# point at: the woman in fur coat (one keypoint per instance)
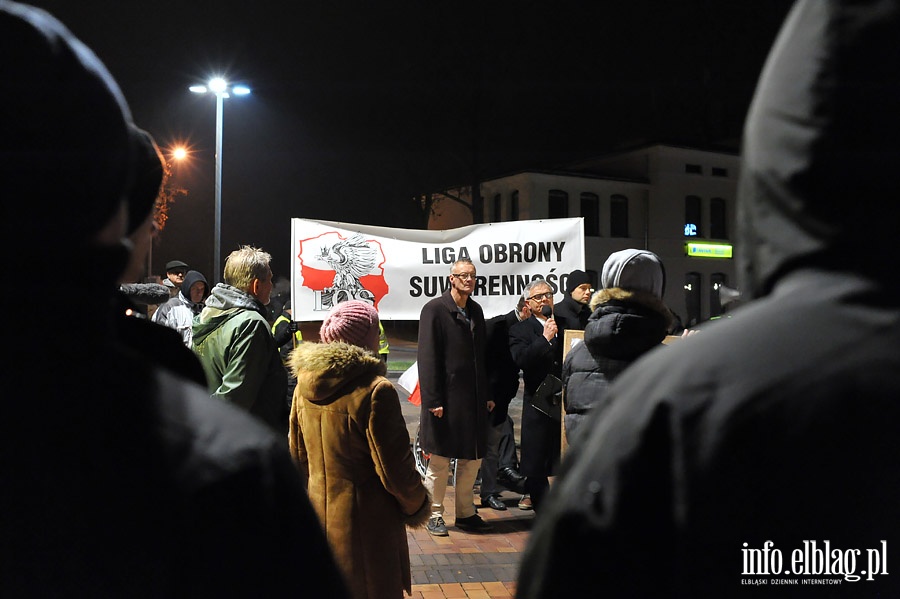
(348, 435)
(628, 318)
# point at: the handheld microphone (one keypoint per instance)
(547, 311)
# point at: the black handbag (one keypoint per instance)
(547, 398)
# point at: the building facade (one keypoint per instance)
(657, 197)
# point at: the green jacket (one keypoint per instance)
(235, 345)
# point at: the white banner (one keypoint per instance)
(399, 270)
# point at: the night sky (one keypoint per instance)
(358, 106)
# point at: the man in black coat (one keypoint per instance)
(500, 465)
(536, 345)
(572, 312)
(765, 449)
(453, 383)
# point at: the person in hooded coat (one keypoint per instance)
(348, 434)
(777, 429)
(118, 477)
(178, 312)
(628, 319)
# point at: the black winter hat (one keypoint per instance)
(576, 278)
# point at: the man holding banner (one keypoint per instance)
(455, 397)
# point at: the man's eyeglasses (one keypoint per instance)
(463, 276)
(539, 296)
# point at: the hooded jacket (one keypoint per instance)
(235, 345)
(178, 312)
(348, 433)
(625, 325)
(779, 428)
(118, 477)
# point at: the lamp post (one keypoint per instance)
(221, 89)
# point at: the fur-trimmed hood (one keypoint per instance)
(324, 370)
(347, 432)
(625, 324)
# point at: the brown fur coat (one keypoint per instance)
(347, 432)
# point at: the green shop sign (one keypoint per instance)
(701, 249)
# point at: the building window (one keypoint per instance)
(718, 171)
(692, 283)
(717, 280)
(717, 223)
(693, 169)
(497, 212)
(514, 206)
(558, 204)
(590, 210)
(692, 217)
(618, 216)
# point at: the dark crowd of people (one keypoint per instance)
(203, 448)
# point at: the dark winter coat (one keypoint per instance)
(122, 479)
(540, 435)
(451, 364)
(503, 373)
(624, 326)
(571, 315)
(155, 342)
(347, 431)
(781, 424)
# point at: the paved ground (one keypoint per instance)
(464, 564)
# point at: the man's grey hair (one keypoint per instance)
(461, 261)
(530, 287)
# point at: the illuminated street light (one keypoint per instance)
(177, 153)
(220, 88)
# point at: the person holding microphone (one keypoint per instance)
(536, 346)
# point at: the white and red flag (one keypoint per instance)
(409, 380)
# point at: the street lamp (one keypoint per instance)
(220, 88)
(166, 196)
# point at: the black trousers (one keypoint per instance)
(501, 453)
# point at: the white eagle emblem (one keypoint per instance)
(351, 259)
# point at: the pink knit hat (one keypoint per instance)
(354, 322)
